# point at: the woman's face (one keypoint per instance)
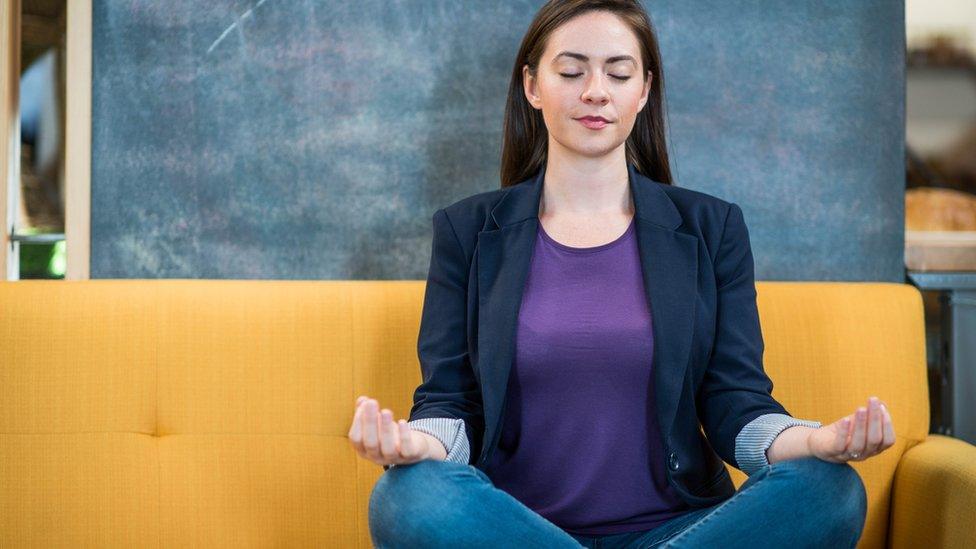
(591, 67)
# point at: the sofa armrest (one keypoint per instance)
(934, 494)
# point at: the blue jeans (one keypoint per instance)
(796, 503)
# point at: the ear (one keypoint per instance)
(530, 86)
(647, 89)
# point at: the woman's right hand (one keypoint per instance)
(376, 437)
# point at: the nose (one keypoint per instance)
(596, 90)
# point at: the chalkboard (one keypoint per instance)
(296, 139)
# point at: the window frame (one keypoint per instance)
(77, 136)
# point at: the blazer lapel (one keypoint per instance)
(669, 260)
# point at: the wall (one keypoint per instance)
(310, 140)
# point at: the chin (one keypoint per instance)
(595, 148)
(593, 153)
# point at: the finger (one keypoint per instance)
(875, 424)
(356, 431)
(850, 431)
(843, 433)
(360, 399)
(889, 428)
(859, 438)
(370, 428)
(389, 436)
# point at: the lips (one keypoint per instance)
(593, 122)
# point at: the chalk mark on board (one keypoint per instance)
(233, 25)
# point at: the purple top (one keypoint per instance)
(580, 444)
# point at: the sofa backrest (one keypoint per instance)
(829, 346)
(216, 411)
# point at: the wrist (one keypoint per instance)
(435, 448)
(791, 443)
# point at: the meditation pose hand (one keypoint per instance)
(376, 437)
(866, 432)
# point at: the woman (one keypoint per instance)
(590, 419)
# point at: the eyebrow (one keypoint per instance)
(582, 57)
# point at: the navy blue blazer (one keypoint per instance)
(698, 274)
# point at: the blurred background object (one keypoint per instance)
(940, 229)
(935, 209)
(940, 115)
(940, 200)
(40, 224)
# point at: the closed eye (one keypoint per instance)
(624, 78)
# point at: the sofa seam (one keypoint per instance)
(159, 454)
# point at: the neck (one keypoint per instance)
(588, 187)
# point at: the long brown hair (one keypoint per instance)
(525, 139)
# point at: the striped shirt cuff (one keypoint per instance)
(758, 435)
(449, 431)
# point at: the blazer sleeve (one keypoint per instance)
(449, 388)
(758, 435)
(735, 389)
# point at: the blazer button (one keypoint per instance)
(673, 461)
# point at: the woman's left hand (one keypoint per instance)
(865, 433)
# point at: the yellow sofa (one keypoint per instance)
(211, 413)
